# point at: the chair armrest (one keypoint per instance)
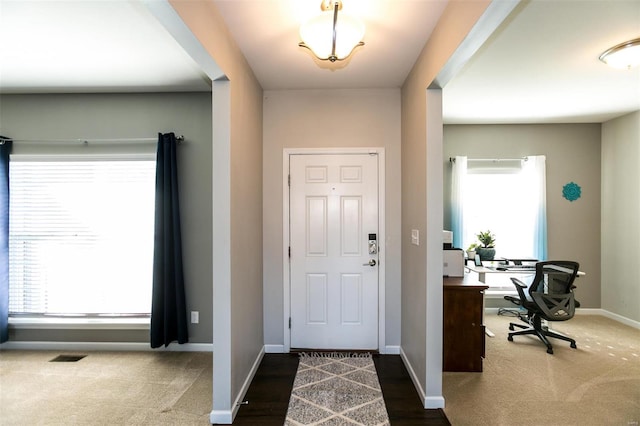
(521, 287)
(518, 283)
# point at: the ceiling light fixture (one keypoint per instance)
(623, 55)
(330, 38)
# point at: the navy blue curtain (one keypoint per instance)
(5, 150)
(168, 308)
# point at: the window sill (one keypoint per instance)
(80, 323)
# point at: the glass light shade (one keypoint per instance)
(623, 55)
(317, 34)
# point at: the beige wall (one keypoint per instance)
(621, 216)
(572, 155)
(101, 116)
(321, 119)
(422, 316)
(243, 339)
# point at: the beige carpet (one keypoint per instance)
(105, 388)
(596, 384)
(336, 389)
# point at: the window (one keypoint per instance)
(81, 235)
(500, 200)
(507, 197)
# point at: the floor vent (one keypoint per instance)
(67, 358)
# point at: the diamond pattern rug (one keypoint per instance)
(336, 389)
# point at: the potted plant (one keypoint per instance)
(487, 250)
(471, 251)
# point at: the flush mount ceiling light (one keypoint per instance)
(623, 55)
(329, 37)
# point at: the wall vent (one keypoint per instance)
(67, 358)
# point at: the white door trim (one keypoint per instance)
(287, 152)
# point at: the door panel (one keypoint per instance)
(351, 312)
(316, 300)
(316, 226)
(334, 284)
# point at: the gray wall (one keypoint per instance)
(621, 216)
(572, 154)
(98, 116)
(328, 118)
(238, 317)
(422, 137)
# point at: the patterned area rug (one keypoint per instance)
(336, 389)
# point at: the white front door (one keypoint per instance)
(334, 251)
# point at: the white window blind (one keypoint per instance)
(500, 198)
(81, 236)
(501, 203)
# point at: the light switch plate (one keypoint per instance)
(415, 237)
(195, 317)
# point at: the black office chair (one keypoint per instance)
(550, 297)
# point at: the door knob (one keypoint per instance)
(372, 262)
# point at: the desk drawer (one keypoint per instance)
(463, 333)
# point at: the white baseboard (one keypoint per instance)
(590, 311)
(433, 402)
(104, 346)
(247, 382)
(274, 349)
(621, 319)
(225, 417)
(391, 350)
(412, 374)
(221, 417)
(429, 402)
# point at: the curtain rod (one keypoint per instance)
(453, 159)
(86, 141)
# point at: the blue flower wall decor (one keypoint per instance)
(571, 191)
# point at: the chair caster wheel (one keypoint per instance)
(573, 345)
(550, 351)
(510, 338)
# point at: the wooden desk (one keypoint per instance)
(463, 325)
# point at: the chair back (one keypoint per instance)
(552, 289)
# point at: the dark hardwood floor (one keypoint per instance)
(268, 395)
(403, 403)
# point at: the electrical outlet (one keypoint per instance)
(195, 317)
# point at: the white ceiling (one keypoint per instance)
(90, 46)
(396, 32)
(540, 66)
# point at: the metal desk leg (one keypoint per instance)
(486, 330)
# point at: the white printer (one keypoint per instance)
(453, 263)
(453, 258)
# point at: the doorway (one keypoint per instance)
(334, 268)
